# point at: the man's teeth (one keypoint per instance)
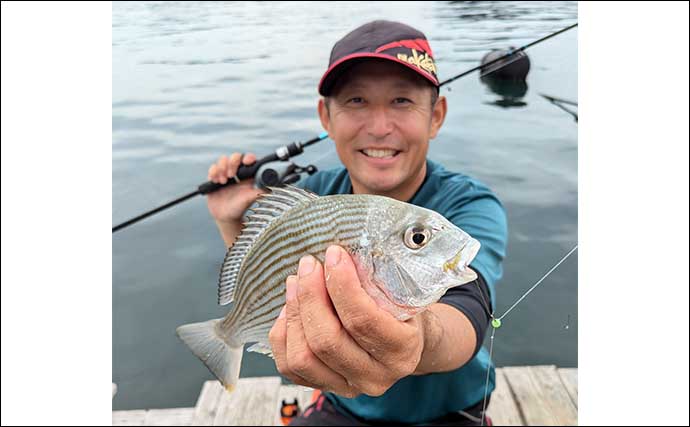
(380, 154)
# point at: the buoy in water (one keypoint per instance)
(512, 67)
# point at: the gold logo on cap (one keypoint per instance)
(425, 62)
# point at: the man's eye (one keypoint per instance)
(355, 100)
(402, 101)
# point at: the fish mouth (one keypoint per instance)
(458, 265)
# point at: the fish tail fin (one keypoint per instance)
(220, 357)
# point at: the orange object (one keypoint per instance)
(288, 411)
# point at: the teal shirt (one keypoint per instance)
(475, 209)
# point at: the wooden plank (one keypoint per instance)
(569, 378)
(540, 395)
(129, 418)
(207, 403)
(169, 417)
(503, 410)
(253, 402)
(290, 393)
(555, 393)
(535, 395)
(528, 397)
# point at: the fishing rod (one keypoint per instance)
(508, 55)
(296, 148)
(268, 177)
(558, 102)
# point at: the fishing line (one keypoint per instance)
(496, 322)
(537, 284)
(488, 371)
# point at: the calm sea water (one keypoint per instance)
(194, 80)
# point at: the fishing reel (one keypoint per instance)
(278, 174)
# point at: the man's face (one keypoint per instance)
(381, 119)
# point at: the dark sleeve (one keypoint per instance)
(473, 300)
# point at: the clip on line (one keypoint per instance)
(496, 322)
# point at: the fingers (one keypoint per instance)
(226, 167)
(212, 171)
(218, 171)
(249, 159)
(233, 164)
(222, 169)
(301, 361)
(326, 336)
(370, 326)
(278, 339)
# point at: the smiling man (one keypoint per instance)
(381, 117)
(381, 106)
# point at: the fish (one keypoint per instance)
(406, 257)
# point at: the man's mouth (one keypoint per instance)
(380, 153)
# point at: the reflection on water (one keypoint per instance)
(511, 92)
(194, 80)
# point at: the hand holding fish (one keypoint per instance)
(333, 336)
(356, 325)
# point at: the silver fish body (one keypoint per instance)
(406, 258)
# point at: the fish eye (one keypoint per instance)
(416, 237)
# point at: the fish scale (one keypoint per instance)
(281, 260)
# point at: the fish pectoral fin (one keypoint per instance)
(222, 359)
(261, 348)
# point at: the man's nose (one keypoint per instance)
(379, 123)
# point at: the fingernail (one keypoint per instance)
(282, 313)
(332, 256)
(291, 291)
(306, 266)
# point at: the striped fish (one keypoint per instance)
(406, 258)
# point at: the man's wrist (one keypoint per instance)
(432, 331)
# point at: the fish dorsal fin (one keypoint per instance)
(267, 208)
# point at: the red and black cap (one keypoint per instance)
(385, 40)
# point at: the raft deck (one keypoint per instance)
(524, 395)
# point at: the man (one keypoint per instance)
(381, 106)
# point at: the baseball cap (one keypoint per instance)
(381, 39)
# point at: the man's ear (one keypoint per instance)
(324, 115)
(438, 115)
